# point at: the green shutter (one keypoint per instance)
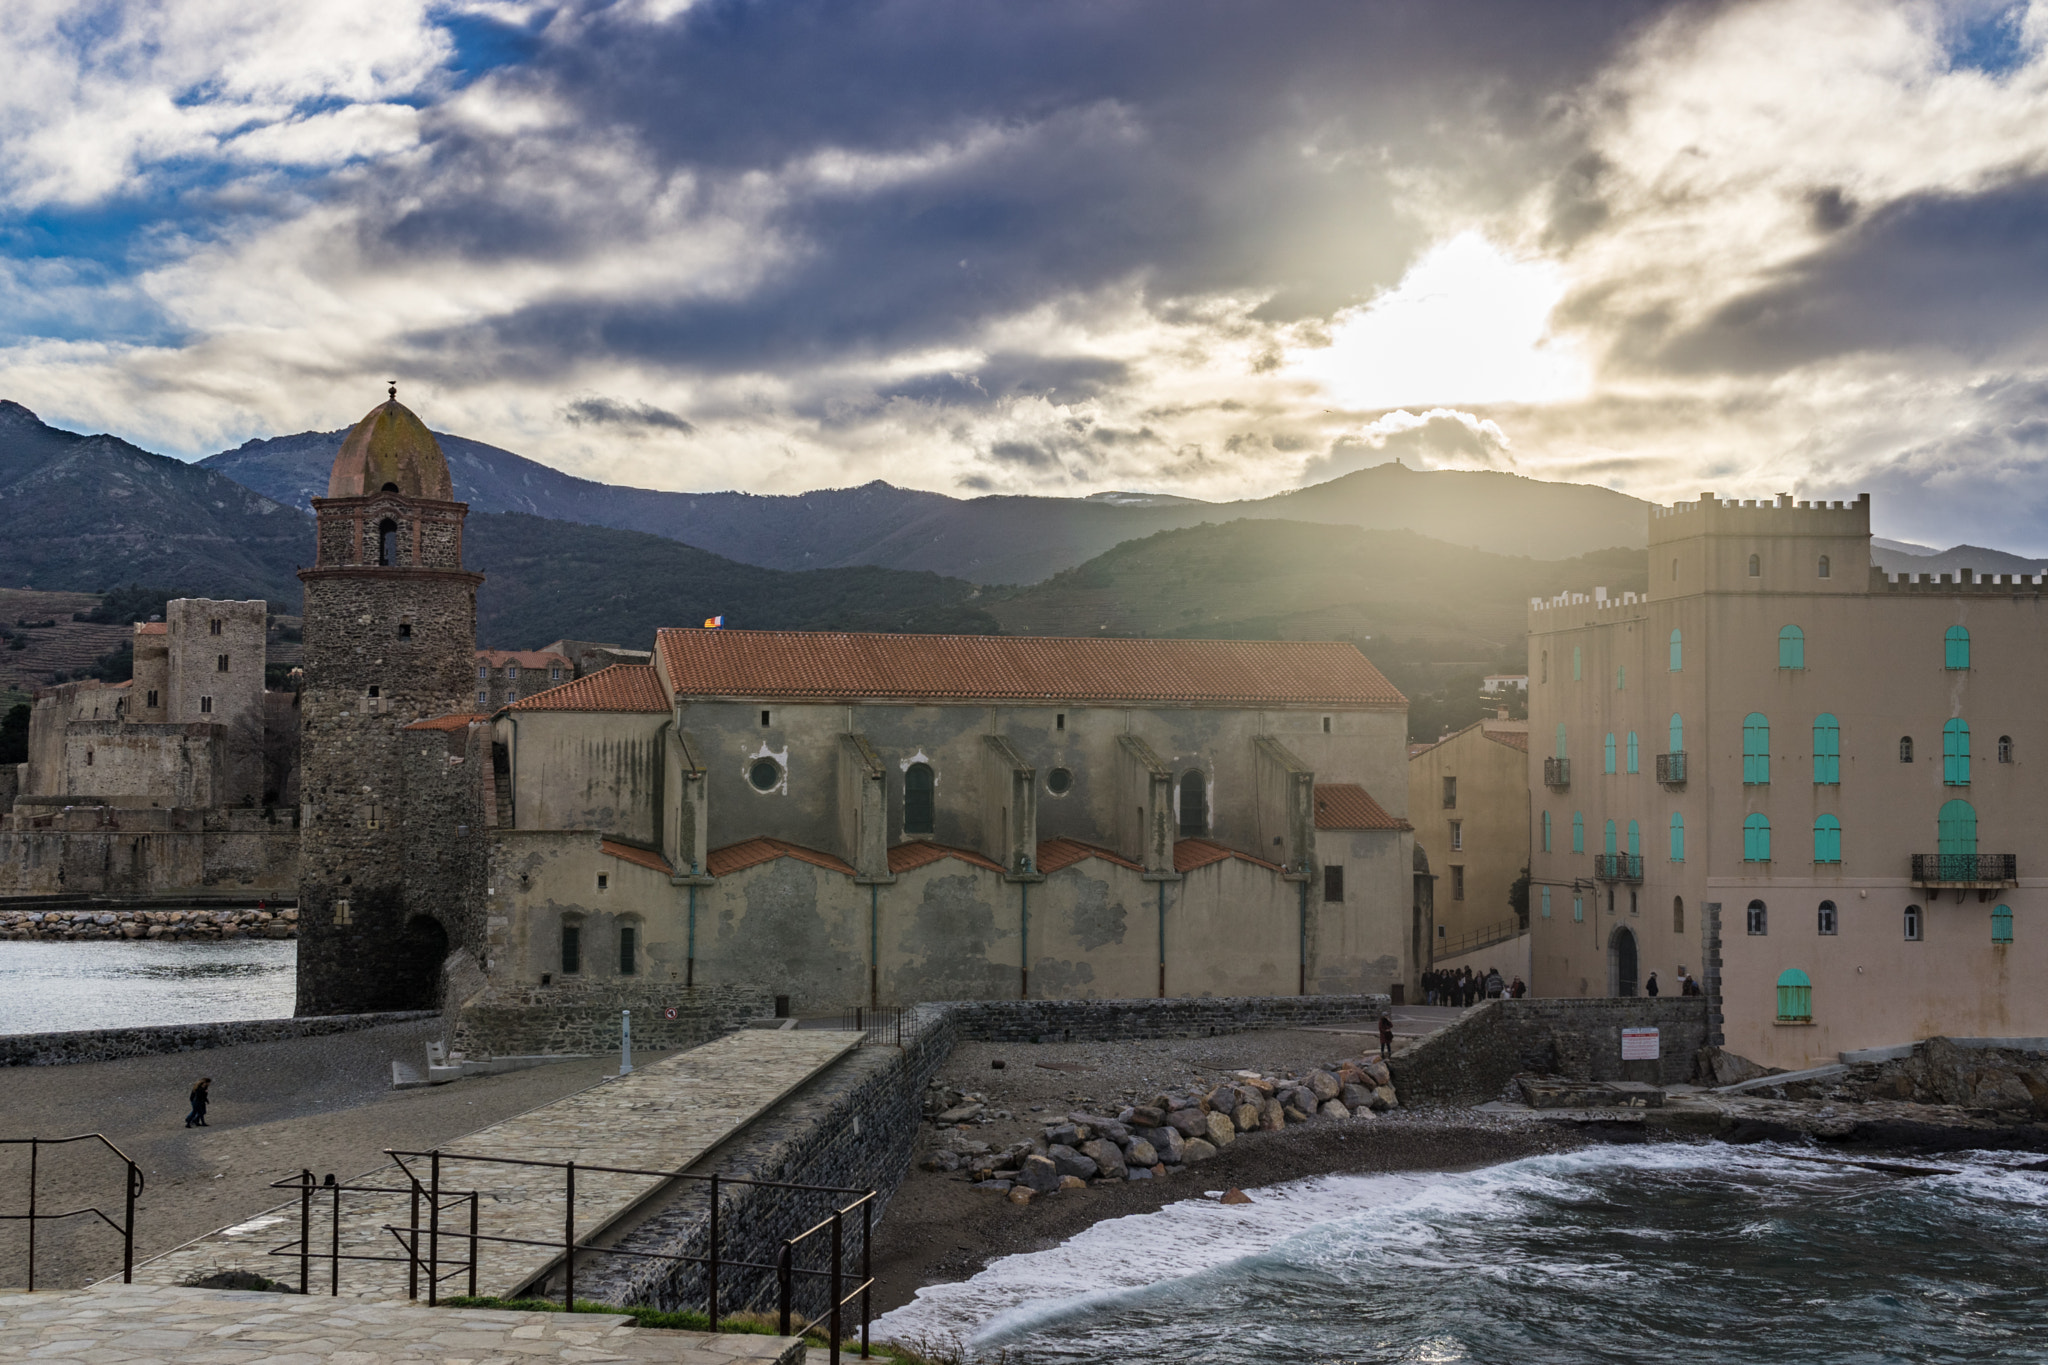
(1677, 652)
(1677, 837)
(1756, 749)
(1791, 647)
(1827, 750)
(1827, 839)
(1955, 753)
(1956, 647)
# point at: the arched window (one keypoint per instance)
(1635, 757)
(1677, 735)
(1759, 918)
(1956, 647)
(1756, 749)
(1827, 839)
(1577, 661)
(1635, 840)
(572, 947)
(1677, 652)
(629, 949)
(1560, 739)
(1791, 647)
(2001, 924)
(1677, 837)
(1795, 997)
(1546, 831)
(1678, 914)
(1578, 831)
(1825, 570)
(1827, 750)
(1612, 839)
(1912, 924)
(920, 804)
(1608, 749)
(2005, 748)
(387, 533)
(1905, 748)
(1756, 839)
(1956, 831)
(1825, 920)
(1756, 567)
(1955, 754)
(1194, 804)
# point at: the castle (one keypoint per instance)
(838, 820)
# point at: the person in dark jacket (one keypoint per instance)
(1650, 986)
(197, 1118)
(1386, 1036)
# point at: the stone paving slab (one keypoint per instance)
(662, 1117)
(157, 1325)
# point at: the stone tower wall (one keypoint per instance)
(201, 691)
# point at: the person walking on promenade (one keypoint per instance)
(1650, 986)
(1386, 1036)
(1494, 985)
(197, 1118)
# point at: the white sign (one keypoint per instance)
(1639, 1045)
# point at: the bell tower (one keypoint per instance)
(390, 638)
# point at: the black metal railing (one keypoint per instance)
(1618, 867)
(423, 1246)
(1671, 768)
(1965, 869)
(881, 1027)
(1557, 772)
(133, 1184)
(1485, 937)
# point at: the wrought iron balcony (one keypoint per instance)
(1671, 769)
(1965, 869)
(1557, 772)
(1618, 867)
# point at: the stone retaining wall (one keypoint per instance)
(584, 1017)
(196, 925)
(101, 1045)
(1473, 1060)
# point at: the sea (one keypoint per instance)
(1682, 1252)
(52, 987)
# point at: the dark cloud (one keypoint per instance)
(609, 412)
(1965, 275)
(1059, 379)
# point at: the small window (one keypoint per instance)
(511, 670)
(483, 694)
(766, 718)
(1826, 921)
(1956, 647)
(213, 627)
(152, 697)
(1677, 652)
(1333, 883)
(1578, 831)
(1905, 748)
(1825, 571)
(629, 956)
(1756, 567)
(206, 706)
(511, 696)
(1759, 919)
(920, 798)
(405, 630)
(1795, 997)
(1632, 907)
(554, 675)
(220, 663)
(1450, 793)
(1543, 901)
(766, 774)
(1677, 837)
(483, 672)
(1059, 720)
(1756, 839)
(1608, 751)
(1059, 781)
(604, 881)
(2004, 747)
(387, 533)
(1678, 914)
(572, 949)
(1912, 924)
(2001, 924)
(1578, 909)
(1194, 804)
(1457, 881)
(1792, 648)
(1457, 836)
(88, 758)
(1326, 725)
(375, 690)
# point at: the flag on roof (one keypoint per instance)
(713, 622)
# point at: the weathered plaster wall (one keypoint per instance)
(588, 770)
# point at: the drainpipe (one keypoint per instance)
(874, 946)
(690, 960)
(1303, 888)
(1162, 940)
(1023, 940)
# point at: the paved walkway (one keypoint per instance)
(662, 1117)
(154, 1325)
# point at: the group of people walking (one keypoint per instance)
(1467, 987)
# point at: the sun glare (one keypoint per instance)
(1467, 324)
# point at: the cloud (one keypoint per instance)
(1441, 438)
(634, 418)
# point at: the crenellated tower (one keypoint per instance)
(390, 638)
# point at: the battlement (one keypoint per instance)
(1578, 608)
(1778, 516)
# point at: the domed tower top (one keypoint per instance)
(391, 451)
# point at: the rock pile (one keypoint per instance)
(72, 926)
(1152, 1140)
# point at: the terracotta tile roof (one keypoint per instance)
(454, 721)
(723, 862)
(622, 687)
(152, 628)
(525, 658)
(639, 857)
(1514, 739)
(1346, 805)
(910, 857)
(1054, 854)
(766, 663)
(1189, 854)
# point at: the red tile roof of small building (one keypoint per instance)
(622, 687)
(1189, 854)
(831, 664)
(1514, 739)
(454, 721)
(639, 857)
(910, 857)
(1346, 805)
(1054, 854)
(723, 862)
(525, 658)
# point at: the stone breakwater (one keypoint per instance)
(1153, 1140)
(196, 925)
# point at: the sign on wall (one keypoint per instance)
(1639, 1045)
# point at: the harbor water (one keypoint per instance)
(56, 987)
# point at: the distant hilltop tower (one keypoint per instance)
(390, 638)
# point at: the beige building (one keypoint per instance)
(1801, 780)
(503, 676)
(1468, 798)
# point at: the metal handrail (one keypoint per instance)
(126, 1227)
(1618, 867)
(878, 1026)
(1483, 937)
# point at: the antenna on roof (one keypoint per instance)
(393, 389)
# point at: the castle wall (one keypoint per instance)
(162, 852)
(113, 763)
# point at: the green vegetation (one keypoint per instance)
(689, 1320)
(124, 606)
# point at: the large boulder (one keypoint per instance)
(1272, 1116)
(1198, 1149)
(1039, 1174)
(1191, 1122)
(1221, 1130)
(1107, 1156)
(1322, 1085)
(1377, 1071)
(1100, 1126)
(1140, 1153)
(1065, 1134)
(1334, 1109)
(1168, 1142)
(1356, 1096)
(1067, 1161)
(1224, 1097)
(1146, 1116)
(1384, 1098)
(1246, 1118)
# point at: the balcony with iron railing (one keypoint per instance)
(1966, 871)
(1618, 867)
(1557, 772)
(1671, 768)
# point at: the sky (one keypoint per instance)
(1057, 246)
